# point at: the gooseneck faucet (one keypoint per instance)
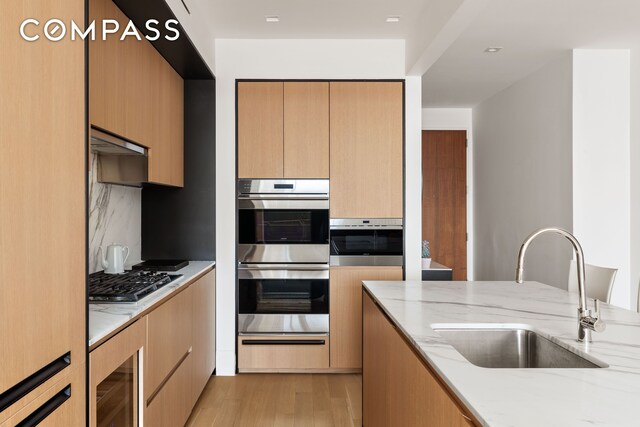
(586, 321)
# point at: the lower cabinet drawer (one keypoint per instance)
(172, 405)
(282, 353)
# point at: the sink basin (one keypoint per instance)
(512, 347)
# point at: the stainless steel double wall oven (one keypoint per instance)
(283, 256)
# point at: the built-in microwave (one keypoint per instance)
(375, 241)
(283, 298)
(283, 221)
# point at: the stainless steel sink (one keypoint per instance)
(512, 347)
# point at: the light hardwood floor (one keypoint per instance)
(280, 400)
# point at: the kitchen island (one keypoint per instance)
(494, 396)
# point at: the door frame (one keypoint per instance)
(470, 207)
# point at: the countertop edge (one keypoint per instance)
(425, 358)
(97, 342)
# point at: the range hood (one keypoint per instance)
(120, 162)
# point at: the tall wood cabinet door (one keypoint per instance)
(366, 128)
(260, 130)
(306, 130)
(345, 308)
(204, 332)
(169, 338)
(42, 196)
(166, 154)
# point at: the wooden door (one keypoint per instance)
(366, 128)
(42, 198)
(306, 130)
(204, 331)
(260, 130)
(444, 198)
(345, 306)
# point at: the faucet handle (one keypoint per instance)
(596, 307)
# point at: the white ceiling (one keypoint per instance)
(309, 19)
(532, 33)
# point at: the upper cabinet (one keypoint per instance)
(135, 94)
(260, 130)
(366, 129)
(283, 130)
(306, 130)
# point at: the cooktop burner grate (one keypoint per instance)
(130, 286)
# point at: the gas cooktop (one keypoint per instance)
(130, 286)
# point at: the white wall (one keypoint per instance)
(635, 175)
(458, 119)
(198, 29)
(601, 166)
(291, 59)
(523, 177)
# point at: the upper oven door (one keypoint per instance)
(284, 231)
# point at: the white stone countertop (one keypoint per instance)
(106, 318)
(523, 397)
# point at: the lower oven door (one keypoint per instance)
(283, 299)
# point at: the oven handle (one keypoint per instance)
(292, 203)
(283, 342)
(284, 267)
(283, 272)
(281, 196)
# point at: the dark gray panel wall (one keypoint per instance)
(179, 223)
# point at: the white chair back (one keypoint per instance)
(598, 281)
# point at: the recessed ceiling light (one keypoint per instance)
(272, 18)
(393, 18)
(493, 49)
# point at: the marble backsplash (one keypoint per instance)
(114, 217)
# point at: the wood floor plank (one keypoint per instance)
(303, 416)
(280, 400)
(340, 413)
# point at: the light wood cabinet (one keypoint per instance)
(261, 353)
(109, 366)
(169, 340)
(67, 396)
(306, 130)
(366, 133)
(135, 94)
(398, 388)
(260, 130)
(346, 311)
(204, 332)
(283, 130)
(42, 206)
(171, 406)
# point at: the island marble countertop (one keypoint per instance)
(522, 397)
(104, 319)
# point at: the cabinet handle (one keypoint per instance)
(33, 381)
(283, 342)
(45, 410)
